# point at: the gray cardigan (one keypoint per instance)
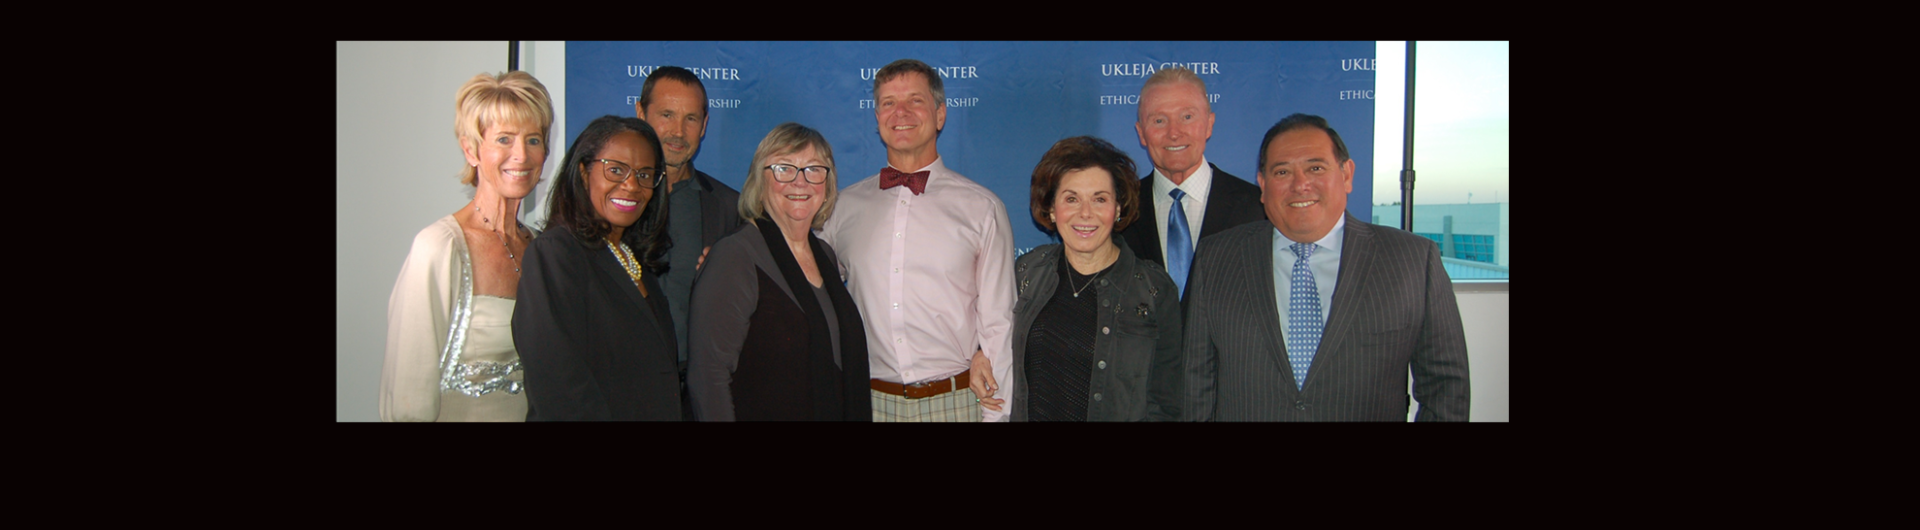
(1136, 350)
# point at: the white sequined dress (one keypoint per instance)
(450, 353)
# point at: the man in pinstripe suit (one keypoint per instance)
(1357, 306)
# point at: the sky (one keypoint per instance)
(1460, 122)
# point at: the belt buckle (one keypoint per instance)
(917, 388)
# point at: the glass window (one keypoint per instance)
(1460, 165)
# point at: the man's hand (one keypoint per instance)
(981, 381)
(703, 259)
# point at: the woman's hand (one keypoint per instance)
(981, 381)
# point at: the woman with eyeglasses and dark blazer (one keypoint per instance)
(774, 334)
(592, 327)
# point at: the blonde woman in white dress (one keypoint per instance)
(450, 353)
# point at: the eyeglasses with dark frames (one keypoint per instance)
(787, 172)
(618, 172)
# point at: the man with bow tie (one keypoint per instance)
(928, 256)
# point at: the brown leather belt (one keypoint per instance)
(921, 390)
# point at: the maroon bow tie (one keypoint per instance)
(916, 181)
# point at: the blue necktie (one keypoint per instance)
(1303, 316)
(1179, 242)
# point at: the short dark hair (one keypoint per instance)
(1085, 152)
(572, 204)
(894, 69)
(1295, 121)
(670, 72)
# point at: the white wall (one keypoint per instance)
(398, 169)
(1484, 314)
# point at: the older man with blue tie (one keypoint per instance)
(1192, 198)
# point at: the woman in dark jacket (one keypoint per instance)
(773, 334)
(1096, 331)
(591, 325)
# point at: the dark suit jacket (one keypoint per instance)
(719, 209)
(1231, 202)
(1393, 309)
(592, 347)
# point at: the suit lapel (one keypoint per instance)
(711, 211)
(1262, 263)
(1356, 262)
(1220, 204)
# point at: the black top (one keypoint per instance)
(1059, 360)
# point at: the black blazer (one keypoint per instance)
(592, 347)
(754, 355)
(1393, 312)
(719, 209)
(1231, 202)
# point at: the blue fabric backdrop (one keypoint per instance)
(1007, 101)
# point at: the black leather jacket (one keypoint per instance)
(1137, 371)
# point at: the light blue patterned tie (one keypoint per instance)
(1179, 242)
(1303, 316)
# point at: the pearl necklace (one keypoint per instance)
(503, 238)
(627, 261)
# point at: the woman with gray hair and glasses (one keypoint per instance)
(775, 336)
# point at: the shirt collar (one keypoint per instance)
(1331, 241)
(935, 167)
(1197, 185)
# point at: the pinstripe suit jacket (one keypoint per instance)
(1393, 310)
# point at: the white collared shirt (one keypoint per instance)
(1195, 205)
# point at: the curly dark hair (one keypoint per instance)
(572, 204)
(1085, 152)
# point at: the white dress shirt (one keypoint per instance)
(933, 275)
(1195, 205)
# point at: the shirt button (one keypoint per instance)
(1103, 281)
(896, 340)
(896, 305)
(1302, 405)
(1096, 396)
(1103, 365)
(896, 234)
(1103, 303)
(896, 270)
(1103, 330)
(903, 201)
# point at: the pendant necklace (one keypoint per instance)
(503, 238)
(1090, 279)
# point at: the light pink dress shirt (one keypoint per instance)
(933, 275)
